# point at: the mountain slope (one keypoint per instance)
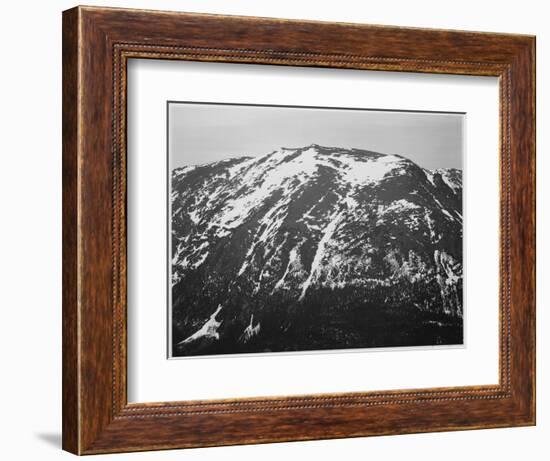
(315, 248)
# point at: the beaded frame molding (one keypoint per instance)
(97, 43)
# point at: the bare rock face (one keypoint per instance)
(315, 248)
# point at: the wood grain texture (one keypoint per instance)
(97, 42)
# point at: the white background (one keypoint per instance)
(30, 243)
(153, 378)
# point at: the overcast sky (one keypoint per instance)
(204, 133)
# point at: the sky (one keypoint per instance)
(203, 133)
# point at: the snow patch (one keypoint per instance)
(208, 330)
(250, 331)
(320, 252)
(365, 172)
(293, 259)
(194, 216)
(178, 172)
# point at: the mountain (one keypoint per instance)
(315, 248)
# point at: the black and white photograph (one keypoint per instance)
(300, 229)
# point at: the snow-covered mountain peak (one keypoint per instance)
(351, 165)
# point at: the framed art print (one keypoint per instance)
(269, 237)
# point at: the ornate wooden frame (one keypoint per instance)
(97, 43)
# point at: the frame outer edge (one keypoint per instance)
(534, 212)
(70, 210)
(533, 181)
